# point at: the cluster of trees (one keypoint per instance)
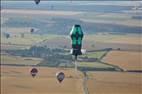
(51, 57)
(56, 60)
(36, 51)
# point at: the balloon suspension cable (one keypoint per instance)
(75, 62)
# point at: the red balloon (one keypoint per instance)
(34, 71)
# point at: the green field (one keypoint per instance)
(29, 39)
(17, 60)
(93, 65)
(94, 54)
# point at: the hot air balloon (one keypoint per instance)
(34, 71)
(32, 30)
(76, 35)
(60, 76)
(37, 1)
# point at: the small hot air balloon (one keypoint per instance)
(37, 1)
(60, 76)
(34, 71)
(32, 30)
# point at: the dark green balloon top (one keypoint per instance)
(76, 35)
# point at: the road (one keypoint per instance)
(85, 83)
(85, 78)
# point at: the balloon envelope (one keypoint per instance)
(37, 1)
(32, 30)
(76, 35)
(34, 71)
(60, 76)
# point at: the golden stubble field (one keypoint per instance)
(17, 80)
(115, 83)
(128, 60)
(133, 39)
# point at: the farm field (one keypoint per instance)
(98, 41)
(17, 80)
(13, 46)
(39, 12)
(114, 38)
(17, 30)
(127, 40)
(18, 42)
(39, 36)
(17, 60)
(94, 54)
(91, 42)
(28, 39)
(128, 60)
(93, 65)
(114, 83)
(111, 18)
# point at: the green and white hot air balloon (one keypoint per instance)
(76, 35)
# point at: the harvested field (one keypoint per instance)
(110, 38)
(128, 40)
(13, 47)
(125, 59)
(11, 30)
(17, 80)
(39, 12)
(115, 83)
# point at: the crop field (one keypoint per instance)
(94, 54)
(126, 59)
(39, 12)
(90, 42)
(128, 40)
(28, 39)
(123, 19)
(114, 83)
(17, 60)
(17, 80)
(13, 47)
(93, 65)
(98, 41)
(112, 40)
(18, 42)
(115, 38)
(15, 31)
